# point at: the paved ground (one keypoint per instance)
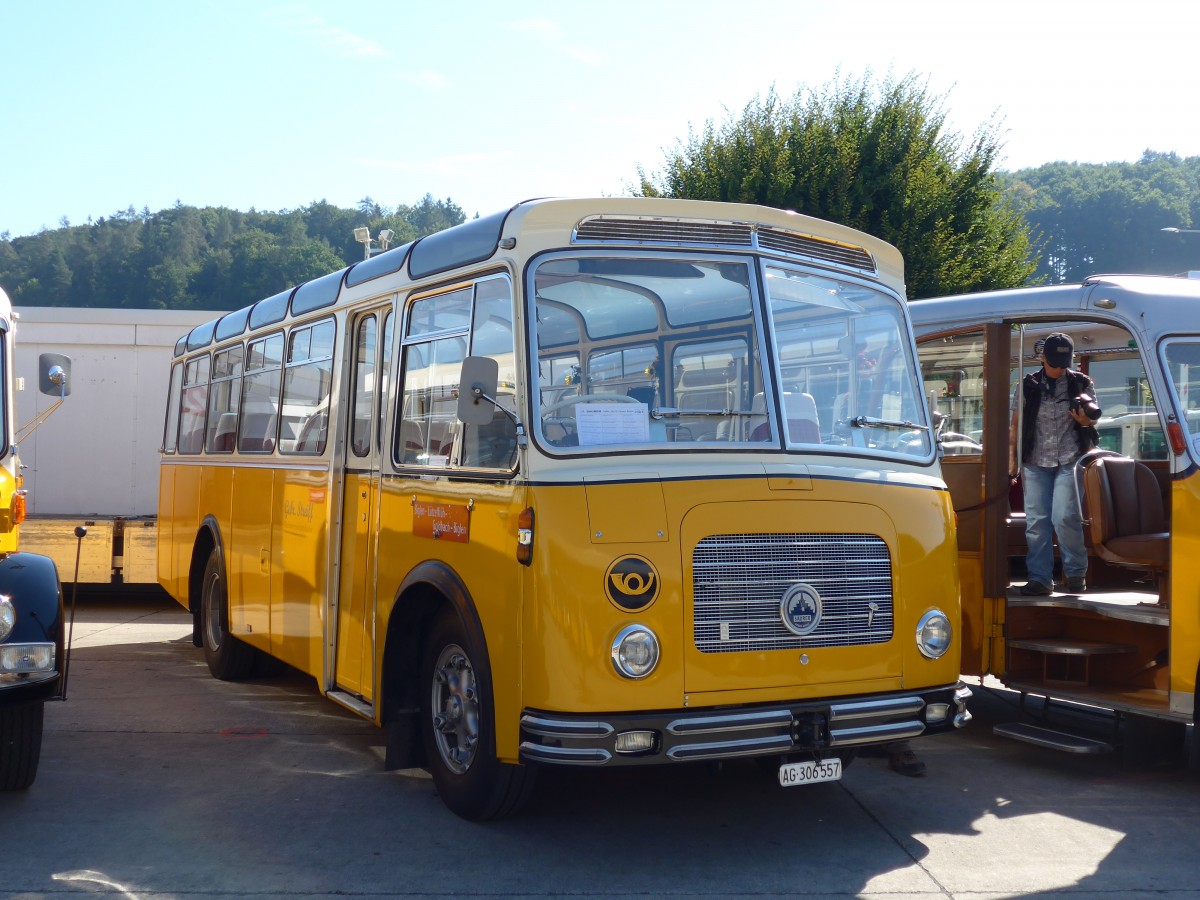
(159, 781)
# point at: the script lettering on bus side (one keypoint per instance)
(293, 509)
(442, 521)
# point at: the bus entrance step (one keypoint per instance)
(1048, 737)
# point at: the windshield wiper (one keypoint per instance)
(660, 412)
(868, 422)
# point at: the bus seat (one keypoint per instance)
(800, 409)
(257, 434)
(226, 433)
(312, 434)
(412, 440)
(1124, 514)
(804, 426)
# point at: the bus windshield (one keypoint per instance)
(662, 350)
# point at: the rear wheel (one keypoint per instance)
(458, 727)
(228, 658)
(20, 744)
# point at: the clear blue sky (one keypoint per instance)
(272, 105)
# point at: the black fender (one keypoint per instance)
(428, 587)
(30, 581)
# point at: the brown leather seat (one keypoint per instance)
(1126, 521)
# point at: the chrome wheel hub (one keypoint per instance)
(455, 709)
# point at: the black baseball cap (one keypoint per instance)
(1058, 351)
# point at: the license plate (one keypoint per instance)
(811, 772)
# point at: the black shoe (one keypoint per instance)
(1035, 589)
(1075, 586)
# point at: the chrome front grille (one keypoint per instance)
(738, 581)
(796, 244)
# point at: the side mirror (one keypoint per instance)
(477, 385)
(54, 374)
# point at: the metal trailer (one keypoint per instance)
(94, 463)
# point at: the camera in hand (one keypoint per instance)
(1086, 404)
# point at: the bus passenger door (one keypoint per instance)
(966, 377)
(354, 649)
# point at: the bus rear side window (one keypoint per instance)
(193, 405)
(171, 436)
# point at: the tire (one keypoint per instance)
(20, 744)
(458, 729)
(228, 658)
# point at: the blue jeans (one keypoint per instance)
(1051, 500)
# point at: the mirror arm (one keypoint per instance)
(478, 394)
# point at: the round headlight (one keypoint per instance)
(635, 651)
(8, 617)
(933, 634)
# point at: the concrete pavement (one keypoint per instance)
(158, 781)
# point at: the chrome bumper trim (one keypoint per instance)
(732, 749)
(738, 722)
(805, 727)
(872, 709)
(564, 755)
(558, 728)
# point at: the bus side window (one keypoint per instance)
(494, 445)
(194, 405)
(171, 437)
(260, 395)
(308, 374)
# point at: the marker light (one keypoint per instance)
(525, 536)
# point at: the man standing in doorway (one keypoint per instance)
(1059, 407)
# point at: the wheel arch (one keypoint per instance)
(208, 538)
(430, 590)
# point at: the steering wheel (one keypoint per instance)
(584, 398)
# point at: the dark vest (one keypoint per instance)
(1032, 387)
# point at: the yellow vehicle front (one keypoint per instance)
(737, 536)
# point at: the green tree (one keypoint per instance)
(1108, 218)
(875, 157)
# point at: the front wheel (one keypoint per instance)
(228, 658)
(20, 744)
(458, 728)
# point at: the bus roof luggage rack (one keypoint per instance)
(1048, 737)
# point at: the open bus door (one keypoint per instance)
(966, 376)
(1111, 664)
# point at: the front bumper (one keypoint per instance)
(813, 727)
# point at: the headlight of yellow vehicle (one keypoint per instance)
(635, 651)
(8, 617)
(934, 634)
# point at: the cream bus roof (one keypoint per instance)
(537, 225)
(1149, 306)
(543, 222)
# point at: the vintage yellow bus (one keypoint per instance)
(593, 483)
(1129, 643)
